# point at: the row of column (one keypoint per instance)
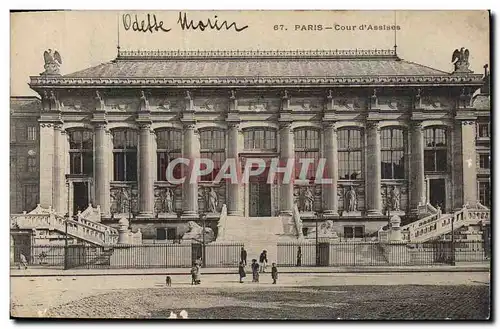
(52, 168)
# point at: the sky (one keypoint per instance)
(88, 38)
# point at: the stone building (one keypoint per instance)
(24, 153)
(395, 135)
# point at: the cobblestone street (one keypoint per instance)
(321, 296)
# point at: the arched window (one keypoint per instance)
(259, 139)
(349, 152)
(392, 151)
(307, 144)
(81, 156)
(125, 155)
(213, 146)
(169, 147)
(435, 149)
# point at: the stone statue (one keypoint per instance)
(195, 232)
(460, 59)
(144, 102)
(169, 200)
(213, 200)
(395, 198)
(52, 62)
(351, 200)
(308, 200)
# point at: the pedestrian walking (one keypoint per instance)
(299, 257)
(274, 273)
(243, 256)
(263, 261)
(255, 271)
(23, 262)
(241, 271)
(195, 274)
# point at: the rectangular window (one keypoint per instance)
(350, 154)
(30, 197)
(171, 233)
(213, 146)
(169, 148)
(32, 133)
(160, 234)
(484, 193)
(436, 152)
(32, 167)
(483, 130)
(354, 232)
(125, 155)
(392, 153)
(484, 161)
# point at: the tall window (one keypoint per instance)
(484, 161)
(213, 146)
(393, 146)
(307, 146)
(349, 152)
(125, 155)
(483, 130)
(31, 166)
(31, 133)
(484, 193)
(435, 153)
(30, 192)
(169, 147)
(259, 139)
(81, 152)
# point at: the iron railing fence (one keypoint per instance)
(127, 256)
(360, 253)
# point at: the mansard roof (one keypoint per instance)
(25, 104)
(201, 68)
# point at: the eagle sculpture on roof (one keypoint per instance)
(460, 59)
(52, 62)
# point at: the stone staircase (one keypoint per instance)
(83, 229)
(256, 233)
(439, 224)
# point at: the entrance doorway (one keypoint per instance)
(80, 196)
(437, 193)
(260, 199)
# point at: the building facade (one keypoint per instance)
(393, 135)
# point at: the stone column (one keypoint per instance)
(287, 152)
(57, 183)
(331, 156)
(46, 164)
(373, 170)
(417, 179)
(234, 188)
(191, 152)
(101, 168)
(146, 174)
(469, 162)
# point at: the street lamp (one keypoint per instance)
(319, 216)
(203, 218)
(452, 242)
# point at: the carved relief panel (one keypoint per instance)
(122, 104)
(124, 199)
(168, 199)
(166, 103)
(351, 198)
(396, 103)
(211, 104)
(307, 198)
(259, 104)
(306, 104)
(211, 198)
(436, 103)
(349, 103)
(78, 104)
(394, 197)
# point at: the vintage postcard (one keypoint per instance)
(250, 165)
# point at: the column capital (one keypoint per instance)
(417, 125)
(373, 125)
(468, 122)
(234, 125)
(330, 125)
(285, 125)
(145, 126)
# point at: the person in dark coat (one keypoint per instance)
(274, 273)
(255, 271)
(299, 257)
(263, 261)
(243, 256)
(241, 270)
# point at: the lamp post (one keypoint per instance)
(319, 215)
(130, 208)
(452, 242)
(203, 218)
(66, 243)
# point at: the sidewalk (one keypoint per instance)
(459, 267)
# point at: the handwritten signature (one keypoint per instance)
(152, 24)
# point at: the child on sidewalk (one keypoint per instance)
(255, 271)
(274, 273)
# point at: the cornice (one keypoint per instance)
(352, 81)
(251, 54)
